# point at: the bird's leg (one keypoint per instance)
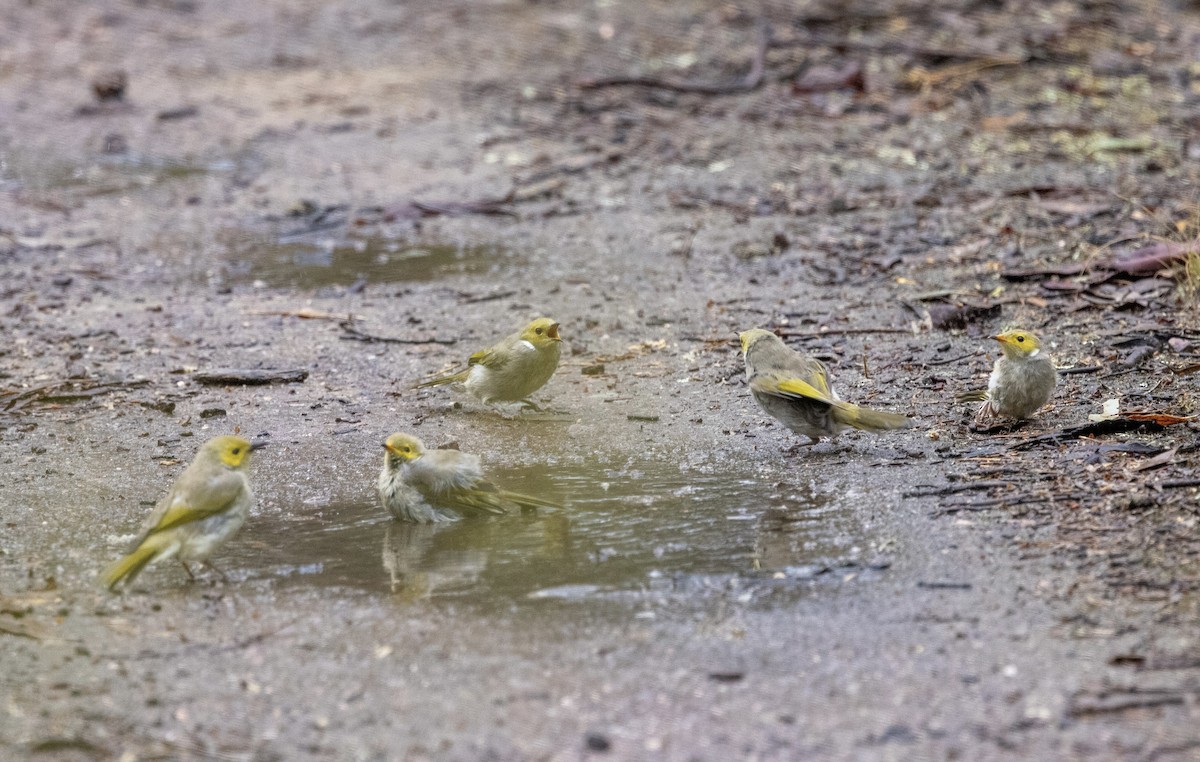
(210, 565)
(798, 446)
(186, 568)
(531, 405)
(984, 416)
(503, 411)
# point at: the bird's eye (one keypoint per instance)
(538, 331)
(1020, 338)
(236, 450)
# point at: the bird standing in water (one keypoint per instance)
(206, 506)
(428, 486)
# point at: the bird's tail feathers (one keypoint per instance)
(481, 503)
(154, 547)
(128, 567)
(974, 395)
(797, 387)
(529, 501)
(499, 502)
(865, 418)
(452, 378)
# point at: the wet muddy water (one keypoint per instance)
(622, 534)
(313, 262)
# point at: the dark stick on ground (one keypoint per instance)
(351, 333)
(249, 376)
(752, 81)
(954, 489)
(1095, 428)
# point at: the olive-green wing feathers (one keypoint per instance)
(484, 497)
(210, 499)
(488, 358)
(818, 391)
(974, 395)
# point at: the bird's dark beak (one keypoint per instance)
(552, 332)
(257, 445)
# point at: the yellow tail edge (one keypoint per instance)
(868, 419)
(128, 567)
(460, 376)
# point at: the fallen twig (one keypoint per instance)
(1122, 425)
(1179, 483)
(304, 313)
(947, 361)
(954, 489)
(837, 332)
(925, 79)
(352, 333)
(1082, 705)
(249, 376)
(61, 391)
(985, 505)
(748, 83)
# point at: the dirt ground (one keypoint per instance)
(369, 191)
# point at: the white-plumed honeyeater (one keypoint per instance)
(1022, 379)
(795, 389)
(441, 485)
(206, 506)
(511, 369)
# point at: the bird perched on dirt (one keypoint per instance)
(511, 369)
(428, 486)
(794, 388)
(1022, 379)
(206, 506)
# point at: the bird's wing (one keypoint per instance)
(819, 377)
(189, 502)
(440, 471)
(455, 480)
(488, 358)
(793, 387)
(483, 497)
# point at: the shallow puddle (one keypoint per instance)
(622, 534)
(345, 261)
(104, 175)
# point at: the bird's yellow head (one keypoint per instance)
(1018, 344)
(404, 446)
(230, 450)
(753, 336)
(541, 333)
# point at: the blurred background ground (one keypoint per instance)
(368, 191)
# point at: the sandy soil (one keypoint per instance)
(444, 171)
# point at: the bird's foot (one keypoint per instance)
(801, 447)
(221, 574)
(992, 426)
